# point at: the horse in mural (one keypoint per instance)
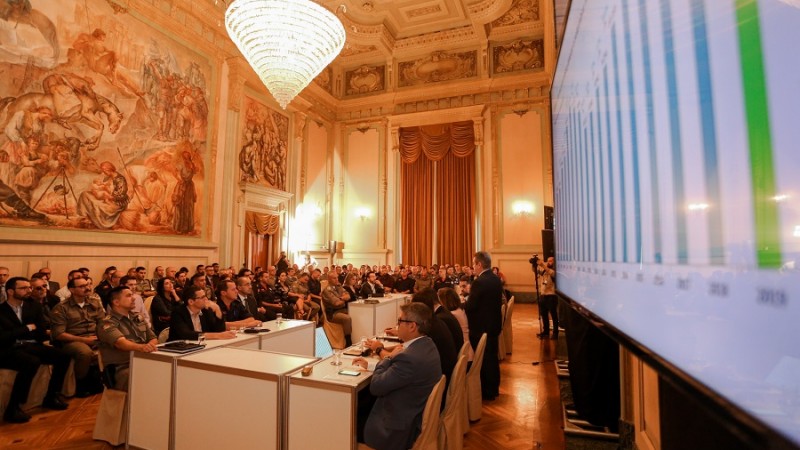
(79, 107)
(21, 11)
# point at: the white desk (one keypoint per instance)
(150, 425)
(322, 407)
(232, 398)
(295, 337)
(370, 319)
(150, 393)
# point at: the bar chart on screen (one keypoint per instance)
(676, 182)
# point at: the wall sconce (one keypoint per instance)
(363, 213)
(522, 208)
(697, 206)
(362, 127)
(520, 109)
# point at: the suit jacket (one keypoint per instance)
(11, 329)
(181, 327)
(252, 306)
(484, 306)
(446, 317)
(402, 385)
(366, 290)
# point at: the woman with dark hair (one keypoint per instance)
(165, 301)
(450, 300)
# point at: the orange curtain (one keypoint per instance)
(455, 209)
(448, 150)
(262, 223)
(417, 211)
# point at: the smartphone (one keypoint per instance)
(352, 373)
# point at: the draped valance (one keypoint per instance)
(262, 223)
(435, 140)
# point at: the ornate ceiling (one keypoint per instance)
(396, 45)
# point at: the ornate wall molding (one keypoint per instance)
(521, 11)
(518, 55)
(365, 79)
(437, 67)
(236, 80)
(488, 10)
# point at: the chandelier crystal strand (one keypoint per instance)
(287, 42)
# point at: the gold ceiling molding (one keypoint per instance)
(521, 11)
(437, 67)
(455, 38)
(325, 79)
(488, 10)
(519, 55)
(365, 79)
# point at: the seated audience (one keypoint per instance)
(233, 310)
(371, 286)
(405, 284)
(165, 301)
(245, 288)
(304, 307)
(73, 327)
(64, 293)
(198, 316)
(138, 302)
(123, 331)
(349, 285)
(22, 349)
(450, 300)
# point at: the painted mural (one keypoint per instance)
(103, 121)
(265, 140)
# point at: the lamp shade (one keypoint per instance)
(287, 42)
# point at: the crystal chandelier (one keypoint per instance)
(287, 42)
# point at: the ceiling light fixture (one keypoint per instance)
(287, 42)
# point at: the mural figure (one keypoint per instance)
(21, 11)
(184, 196)
(111, 135)
(262, 158)
(107, 197)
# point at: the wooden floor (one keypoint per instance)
(526, 415)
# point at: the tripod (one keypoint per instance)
(67, 187)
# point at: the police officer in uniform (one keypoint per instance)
(120, 332)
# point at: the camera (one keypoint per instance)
(534, 261)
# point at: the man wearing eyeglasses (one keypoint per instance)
(52, 286)
(402, 381)
(198, 316)
(73, 327)
(22, 334)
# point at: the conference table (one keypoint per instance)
(154, 384)
(323, 406)
(372, 316)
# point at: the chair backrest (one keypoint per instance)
(457, 380)
(509, 311)
(334, 331)
(147, 302)
(428, 438)
(464, 349)
(451, 433)
(477, 360)
(163, 336)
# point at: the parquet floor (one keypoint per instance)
(526, 415)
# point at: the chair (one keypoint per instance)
(334, 331)
(463, 412)
(147, 302)
(111, 423)
(451, 432)
(163, 335)
(428, 438)
(501, 345)
(508, 330)
(474, 396)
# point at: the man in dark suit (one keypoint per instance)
(22, 333)
(198, 316)
(484, 313)
(245, 287)
(445, 339)
(402, 381)
(372, 286)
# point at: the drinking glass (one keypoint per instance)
(362, 343)
(337, 357)
(279, 318)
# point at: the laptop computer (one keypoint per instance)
(322, 346)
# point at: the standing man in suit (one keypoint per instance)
(402, 381)
(484, 313)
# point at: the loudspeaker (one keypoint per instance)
(548, 244)
(332, 247)
(549, 218)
